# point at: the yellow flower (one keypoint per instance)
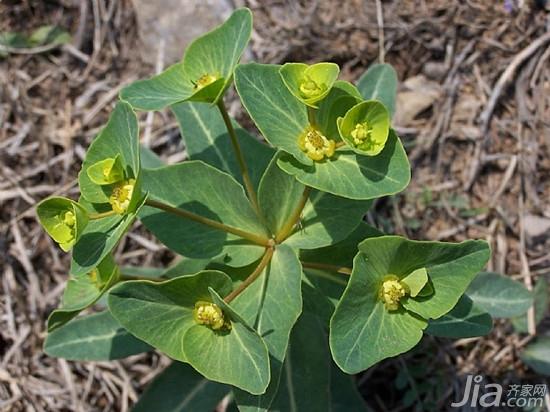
(310, 88)
(210, 314)
(121, 196)
(315, 145)
(361, 133)
(392, 291)
(204, 81)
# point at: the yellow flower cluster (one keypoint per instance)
(392, 291)
(205, 80)
(121, 196)
(210, 314)
(361, 133)
(315, 145)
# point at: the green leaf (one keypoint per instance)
(365, 127)
(499, 295)
(416, 281)
(305, 382)
(542, 298)
(363, 331)
(63, 219)
(209, 61)
(465, 320)
(238, 357)
(321, 222)
(278, 115)
(149, 159)
(379, 82)
(537, 355)
(261, 306)
(354, 176)
(83, 291)
(98, 240)
(178, 388)
(48, 35)
(97, 337)
(107, 171)
(208, 192)
(206, 139)
(309, 84)
(160, 313)
(342, 97)
(118, 138)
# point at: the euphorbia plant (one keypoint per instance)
(280, 288)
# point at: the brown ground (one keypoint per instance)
(474, 114)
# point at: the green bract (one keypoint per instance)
(204, 73)
(84, 290)
(106, 172)
(63, 219)
(363, 330)
(309, 84)
(365, 127)
(279, 287)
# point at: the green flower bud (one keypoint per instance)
(365, 127)
(63, 219)
(310, 84)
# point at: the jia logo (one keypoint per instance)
(493, 394)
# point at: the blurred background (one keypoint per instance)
(473, 111)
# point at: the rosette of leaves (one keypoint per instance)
(110, 186)
(280, 288)
(83, 290)
(431, 277)
(284, 120)
(205, 72)
(63, 219)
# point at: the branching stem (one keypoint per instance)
(312, 118)
(325, 266)
(239, 154)
(253, 276)
(95, 216)
(287, 228)
(257, 239)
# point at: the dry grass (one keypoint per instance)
(478, 136)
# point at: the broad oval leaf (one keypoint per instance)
(238, 357)
(379, 82)
(120, 137)
(542, 299)
(206, 138)
(98, 239)
(160, 313)
(279, 116)
(178, 388)
(354, 176)
(97, 337)
(499, 295)
(83, 291)
(537, 355)
(363, 331)
(465, 320)
(214, 54)
(208, 192)
(261, 306)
